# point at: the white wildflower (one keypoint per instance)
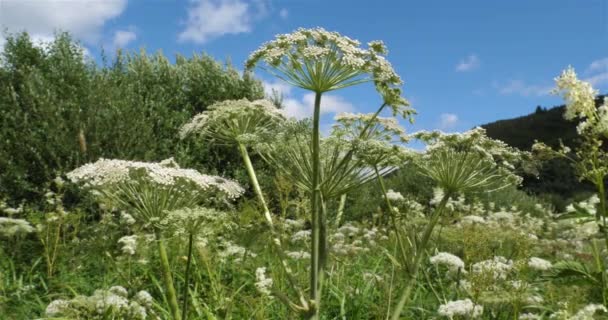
(127, 219)
(298, 255)
(10, 227)
(129, 244)
(144, 298)
(464, 308)
(108, 173)
(394, 195)
(499, 267)
(263, 284)
(539, 264)
(529, 316)
(302, 235)
(57, 307)
(452, 262)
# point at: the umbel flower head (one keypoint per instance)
(321, 61)
(150, 190)
(232, 121)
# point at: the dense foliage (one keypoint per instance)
(59, 109)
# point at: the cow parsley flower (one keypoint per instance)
(463, 308)
(452, 262)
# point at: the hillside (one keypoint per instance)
(549, 126)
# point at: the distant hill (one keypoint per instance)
(557, 177)
(548, 126)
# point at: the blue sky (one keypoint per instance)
(464, 62)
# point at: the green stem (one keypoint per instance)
(340, 209)
(276, 241)
(254, 182)
(187, 278)
(316, 223)
(167, 278)
(420, 252)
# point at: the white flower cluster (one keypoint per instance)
(10, 227)
(509, 159)
(350, 240)
(499, 267)
(106, 173)
(462, 308)
(129, 244)
(394, 195)
(586, 313)
(305, 47)
(539, 264)
(113, 302)
(452, 262)
(232, 121)
(580, 103)
(380, 128)
(588, 206)
(263, 283)
(233, 251)
(298, 255)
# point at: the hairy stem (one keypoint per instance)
(167, 278)
(187, 278)
(254, 182)
(276, 241)
(340, 209)
(316, 223)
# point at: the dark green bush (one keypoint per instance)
(59, 109)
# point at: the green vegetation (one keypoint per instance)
(107, 214)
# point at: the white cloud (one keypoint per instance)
(598, 65)
(597, 72)
(304, 108)
(279, 86)
(469, 63)
(447, 121)
(209, 19)
(283, 13)
(123, 37)
(83, 18)
(521, 88)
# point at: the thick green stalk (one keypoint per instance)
(341, 209)
(276, 241)
(187, 278)
(420, 252)
(254, 182)
(316, 223)
(168, 279)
